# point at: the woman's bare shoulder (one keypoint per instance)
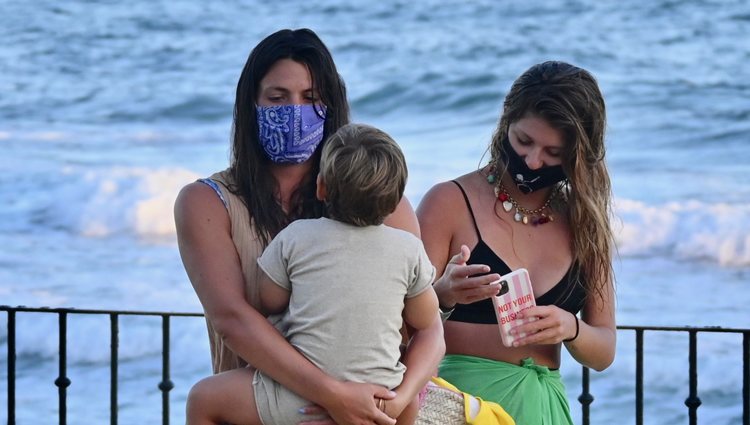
(198, 201)
(446, 194)
(403, 218)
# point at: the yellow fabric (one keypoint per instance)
(489, 413)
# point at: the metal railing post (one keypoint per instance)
(114, 330)
(585, 398)
(11, 367)
(693, 401)
(639, 376)
(746, 378)
(166, 384)
(62, 381)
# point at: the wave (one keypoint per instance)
(139, 201)
(102, 202)
(690, 230)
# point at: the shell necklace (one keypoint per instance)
(536, 216)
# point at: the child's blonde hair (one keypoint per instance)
(364, 172)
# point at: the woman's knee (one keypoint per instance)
(199, 399)
(215, 399)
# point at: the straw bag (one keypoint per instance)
(444, 404)
(441, 406)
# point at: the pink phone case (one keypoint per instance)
(515, 296)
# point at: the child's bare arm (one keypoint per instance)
(422, 315)
(273, 298)
(408, 414)
(421, 310)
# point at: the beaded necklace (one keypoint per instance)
(537, 216)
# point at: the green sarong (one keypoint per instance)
(530, 393)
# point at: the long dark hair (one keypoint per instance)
(249, 167)
(569, 99)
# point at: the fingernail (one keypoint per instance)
(302, 410)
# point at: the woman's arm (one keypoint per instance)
(597, 337)
(213, 266)
(592, 340)
(404, 218)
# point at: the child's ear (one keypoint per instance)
(320, 189)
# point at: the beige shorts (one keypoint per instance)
(276, 404)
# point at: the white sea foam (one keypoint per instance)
(688, 230)
(139, 201)
(105, 202)
(49, 136)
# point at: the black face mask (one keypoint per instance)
(526, 179)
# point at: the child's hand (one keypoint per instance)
(394, 407)
(403, 408)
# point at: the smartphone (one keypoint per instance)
(515, 296)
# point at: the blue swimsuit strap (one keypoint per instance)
(215, 186)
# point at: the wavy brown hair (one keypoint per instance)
(569, 99)
(249, 166)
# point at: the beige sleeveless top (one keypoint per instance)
(249, 248)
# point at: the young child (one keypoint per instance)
(345, 283)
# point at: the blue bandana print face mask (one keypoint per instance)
(526, 179)
(290, 134)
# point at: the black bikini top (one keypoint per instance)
(567, 294)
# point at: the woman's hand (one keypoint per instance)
(355, 404)
(456, 287)
(553, 325)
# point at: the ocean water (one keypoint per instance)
(108, 108)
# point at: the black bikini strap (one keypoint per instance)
(468, 205)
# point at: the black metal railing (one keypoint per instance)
(692, 401)
(62, 382)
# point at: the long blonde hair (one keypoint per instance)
(569, 99)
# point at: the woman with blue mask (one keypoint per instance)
(289, 98)
(542, 203)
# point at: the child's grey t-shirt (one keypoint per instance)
(348, 286)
